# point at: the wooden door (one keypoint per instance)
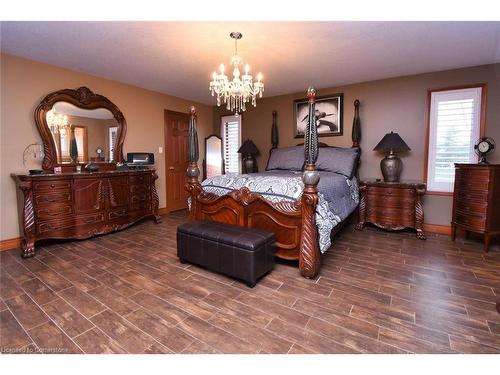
(176, 157)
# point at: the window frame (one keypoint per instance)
(482, 124)
(240, 117)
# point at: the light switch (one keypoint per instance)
(160, 150)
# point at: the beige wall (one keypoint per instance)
(24, 83)
(97, 133)
(397, 104)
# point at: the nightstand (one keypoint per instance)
(392, 205)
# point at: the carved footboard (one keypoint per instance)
(293, 223)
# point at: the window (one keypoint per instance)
(455, 118)
(113, 132)
(231, 141)
(63, 142)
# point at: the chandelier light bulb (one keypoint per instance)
(247, 69)
(222, 68)
(259, 77)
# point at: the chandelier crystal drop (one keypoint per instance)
(240, 90)
(56, 121)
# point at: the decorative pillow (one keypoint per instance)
(338, 160)
(287, 158)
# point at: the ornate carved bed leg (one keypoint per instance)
(419, 215)
(28, 243)
(155, 200)
(193, 185)
(309, 256)
(361, 208)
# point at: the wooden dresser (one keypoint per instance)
(81, 205)
(392, 205)
(476, 200)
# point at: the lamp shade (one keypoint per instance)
(391, 141)
(248, 147)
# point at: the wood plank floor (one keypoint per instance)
(126, 292)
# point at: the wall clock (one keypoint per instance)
(483, 147)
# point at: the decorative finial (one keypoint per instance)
(356, 103)
(311, 94)
(192, 110)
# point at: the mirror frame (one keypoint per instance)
(84, 98)
(221, 156)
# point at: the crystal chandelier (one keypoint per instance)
(239, 91)
(56, 121)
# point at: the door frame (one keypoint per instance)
(166, 149)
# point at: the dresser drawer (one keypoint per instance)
(470, 220)
(471, 185)
(481, 174)
(472, 207)
(44, 199)
(90, 219)
(52, 185)
(53, 211)
(471, 196)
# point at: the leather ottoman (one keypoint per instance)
(243, 253)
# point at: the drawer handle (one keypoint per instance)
(52, 186)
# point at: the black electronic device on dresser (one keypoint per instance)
(140, 160)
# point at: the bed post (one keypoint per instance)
(309, 256)
(274, 131)
(356, 126)
(193, 186)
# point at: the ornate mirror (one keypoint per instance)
(78, 127)
(214, 160)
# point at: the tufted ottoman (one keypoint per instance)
(243, 253)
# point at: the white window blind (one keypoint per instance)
(231, 139)
(454, 128)
(113, 132)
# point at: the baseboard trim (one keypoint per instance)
(437, 228)
(10, 244)
(163, 211)
(15, 243)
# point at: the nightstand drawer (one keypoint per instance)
(390, 192)
(390, 201)
(386, 213)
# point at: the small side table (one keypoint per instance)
(392, 205)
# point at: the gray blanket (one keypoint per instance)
(338, 195)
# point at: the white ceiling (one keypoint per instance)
(177, 58)
(72, 110)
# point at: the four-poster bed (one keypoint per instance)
(292, 221)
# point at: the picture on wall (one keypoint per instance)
(329, 115)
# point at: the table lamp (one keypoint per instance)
(248, 149)
(391, 165)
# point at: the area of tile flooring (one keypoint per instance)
(378, 292)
